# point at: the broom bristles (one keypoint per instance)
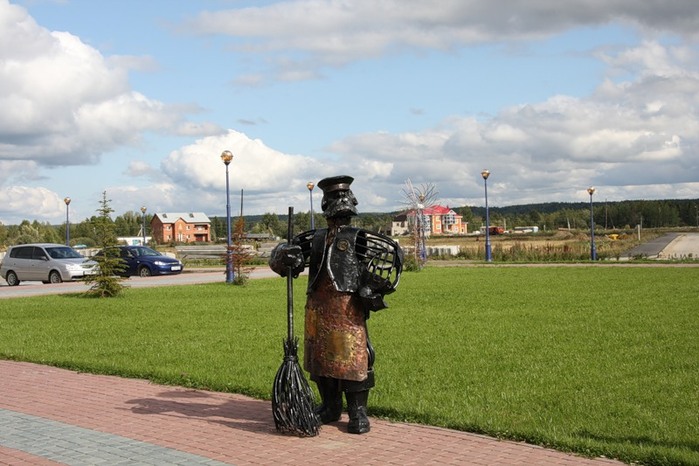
(293, 403)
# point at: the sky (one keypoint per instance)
(139, 99)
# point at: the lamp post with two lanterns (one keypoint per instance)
(227, 156)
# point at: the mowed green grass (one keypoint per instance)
(592, 359)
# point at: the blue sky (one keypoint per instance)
(139, 99)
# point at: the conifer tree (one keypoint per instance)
(106, 283)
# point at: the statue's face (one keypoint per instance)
(340, 203)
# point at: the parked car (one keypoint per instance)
(144, 262)
(45, 262)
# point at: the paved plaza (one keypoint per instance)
(51, 416)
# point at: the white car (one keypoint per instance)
(44, 262)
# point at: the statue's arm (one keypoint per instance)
(294, 255)
(382, 260)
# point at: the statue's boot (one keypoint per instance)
(330, 409)
(356, 407)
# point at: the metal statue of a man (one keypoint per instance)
(349, 272)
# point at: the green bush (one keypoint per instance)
(410, 264)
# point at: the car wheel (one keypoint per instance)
(144, 272)
(55, 277)
(12, 279)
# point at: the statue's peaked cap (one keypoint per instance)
(335, 183)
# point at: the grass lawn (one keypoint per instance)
(596, 360)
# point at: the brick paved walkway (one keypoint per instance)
(53, 416)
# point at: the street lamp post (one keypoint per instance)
(227, 156)
(593, 250)
(422, 253)
(143, 218)
(310, 187)
(67, 201)
(488, 253)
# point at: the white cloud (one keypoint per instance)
(616, 138)
(338, 32)
(63, 103)
(198, 129)
(139, 168)
(199, 165)
(14, 171)
(651, 58)
(271, 179)
(16, 201)
(156, 197)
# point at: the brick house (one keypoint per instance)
(436, 220)
(177, 227)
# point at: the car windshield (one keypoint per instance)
(144, 251)
(63, 253)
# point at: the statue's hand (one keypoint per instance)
(372, 290)
(376, 283)
(372, 300)
(285, 256)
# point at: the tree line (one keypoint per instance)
(85, 232)
(130, 223)
(619, 215)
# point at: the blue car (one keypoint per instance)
(144, 262)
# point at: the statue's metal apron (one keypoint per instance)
(335, 343)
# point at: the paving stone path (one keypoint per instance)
(52, 416)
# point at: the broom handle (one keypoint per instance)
(290, 282)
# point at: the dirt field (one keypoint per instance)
(560, 245)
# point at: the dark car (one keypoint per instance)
(144, 262)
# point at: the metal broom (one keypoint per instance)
(293, 403)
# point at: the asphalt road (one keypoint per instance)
(185, 278)
(669, 246)
(683, 246)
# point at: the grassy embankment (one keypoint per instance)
(596, 360)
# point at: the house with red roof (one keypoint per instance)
(180, 227)
(436, 220)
